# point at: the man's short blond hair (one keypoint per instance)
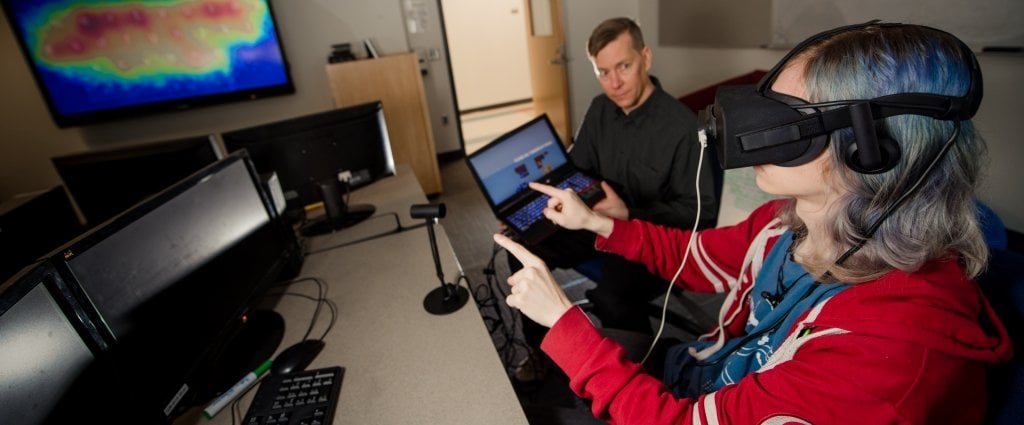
(609, 30)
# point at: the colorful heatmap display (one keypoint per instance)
(99, 55)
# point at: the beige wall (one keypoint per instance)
(28, 137)
(1001, 124)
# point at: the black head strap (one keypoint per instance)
(932, 105)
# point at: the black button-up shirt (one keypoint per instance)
(649, 157)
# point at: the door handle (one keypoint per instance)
(560, 58)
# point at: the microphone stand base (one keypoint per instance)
(439, 301)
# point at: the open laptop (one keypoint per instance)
(531, 152)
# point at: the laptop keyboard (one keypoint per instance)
(529, 214)
(581, 184)
(533, 211)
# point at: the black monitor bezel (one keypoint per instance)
(44, 275)
(82, 192)
(110, 352)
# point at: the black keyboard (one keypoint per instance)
(586, 188)
(529, 213)
(305, 397)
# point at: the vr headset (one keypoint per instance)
(753, 125)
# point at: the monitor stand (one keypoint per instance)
(338, 215)
(326, 224)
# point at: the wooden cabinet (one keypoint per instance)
(395, 81)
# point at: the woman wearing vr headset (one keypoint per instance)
(851, 299)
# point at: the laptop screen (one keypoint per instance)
(518, 157)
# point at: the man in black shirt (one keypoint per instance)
(643, 143)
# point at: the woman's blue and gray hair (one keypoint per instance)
(937, 220)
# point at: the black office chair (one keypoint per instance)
(1003, 285)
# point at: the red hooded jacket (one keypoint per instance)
(905, 348)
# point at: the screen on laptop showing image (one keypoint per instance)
(522, 156)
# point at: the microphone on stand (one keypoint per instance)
(448, 297)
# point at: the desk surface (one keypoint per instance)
(402, 364)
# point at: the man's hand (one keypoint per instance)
(612, 205)
(534, 290)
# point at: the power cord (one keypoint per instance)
(702, 136)
(398, 229)
(494, 315)
(320, 299)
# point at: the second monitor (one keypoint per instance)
(104, 183)
(319, 157)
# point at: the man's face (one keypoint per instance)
(622, 72)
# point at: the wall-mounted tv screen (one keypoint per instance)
(97, 60)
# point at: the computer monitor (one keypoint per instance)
(32, 225)
(309, 153)
(42, 353)
(104, 183)
(172, 280)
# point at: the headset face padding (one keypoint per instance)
(816, 145)
(752, 125)
(751, 129)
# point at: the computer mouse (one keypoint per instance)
(296, 357)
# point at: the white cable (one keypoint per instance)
(702, 137)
